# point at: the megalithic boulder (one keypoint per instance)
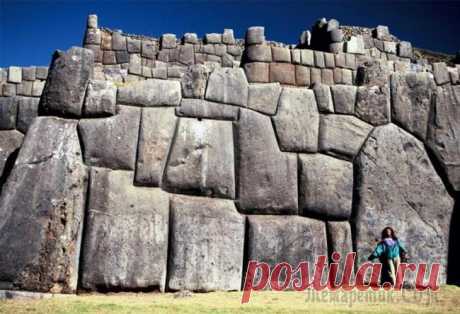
(41, 210)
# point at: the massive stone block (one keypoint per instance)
(291, 239)
(150, 93)
(228, 85)
(111, 142)
(8, 112)
(340, 241)
(194, 81)
(326, 186)
(264, 97)
(155, 137)
(10, 141)
(341, 135)
(41, 210)
(344, 98)
(412, 95)
(101, 98)
(206, 244)
(373, 104)
(200, 108)
(297, 120)
(267, 177)
(444, 132)
(67, 80)
(126, 235)
(397, 186)
(201, 159)
(27, 111)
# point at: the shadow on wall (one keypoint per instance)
(453, 269)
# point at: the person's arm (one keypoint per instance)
(402, 247)
(377, 252)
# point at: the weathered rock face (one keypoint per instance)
(297, 121)
(444, 132)
(9, 112)
(126, 236)
(155, 137)
(267, 177)
(198, 163)
(291, 239)
(41, 210)
(10, 141)
(396, 184)
(207, 241)
(199, 108)
(264, 97)
(150, 93)
(100, 98)
(339, 240)
(326, 186)
(228, 86)
(412, 96)
(194, 81)
(111, 142)
(67, 80)
(27, 111)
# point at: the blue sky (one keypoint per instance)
(31, 30)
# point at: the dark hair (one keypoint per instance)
(393, 233)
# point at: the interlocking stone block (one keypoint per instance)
(150, 93)
(283, 73)
(229, 86)
(264, 97)
(344, 97)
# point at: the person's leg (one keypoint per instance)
(396, 262)
(391, 270)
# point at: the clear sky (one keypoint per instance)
(31, 30)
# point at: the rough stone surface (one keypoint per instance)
(67, 80)
(41, 209)
(290, 239)
(283, 73)
(267, 177)
(10, 142)
(326, 186)
(255, 35)
(341, 135)
(397, 186)
(101, 97)
(149, 93)
(8, 112)
(27, 111)
(440, 72)
(257, 72)
(340, 241)
(412, 95)
(124, 221)
(297, 121)
(198, 163)
(344, 98)
(444, 132)
(264, 97)
(373, 104)
(323, 98)
(228, 86)
(111, 142)
(207, 243)
(194, 81)
(259, 53)
(199, 108)
(155, 137)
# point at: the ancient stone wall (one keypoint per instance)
(130, 181)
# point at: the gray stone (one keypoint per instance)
(405, 49)
(326, 186)
(122, 56)
(27, 112)
(111, 142)
(340, 241)
(8, 112)
(228, 86)
(267, 177)
(28, 73)
(259, 53)
(41, 209)
(101, 98)
(190, 38)
(344, 98)
(389, 47)
(332, 24)
(207, 244)
(336, 35)
(25, 88)
(283, 73)
(315, 76)
(198, 163)
(307, 57)
(213, 38)
(149, 49)
(375, 72)
(443, 132)
(381, 32)
(289, 239)
(257, 72)
(302, 75)
(228, 37)
(255, 35)
(9, 89)
(297, 121)
(194, 81)
(397, 186)
(203, 109)
(155, 137)
(67, 81)
(92, 21)
(329, 60)
(342, 135)
(118, 41)
(126, 234)
(327, 76)
(440, 72)
(319, 59)
(168, 41)
(264, 97)
(41, 73)
(281, 54)
(150, 93)
(323, 98)
(14, 74)
(373, 104)
(93, 36)
(412, 95)
(355, 45)
(135, 64)
(295, 56)
(133, 45)
(10, 142)
(109, 57)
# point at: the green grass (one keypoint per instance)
(447, 300)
